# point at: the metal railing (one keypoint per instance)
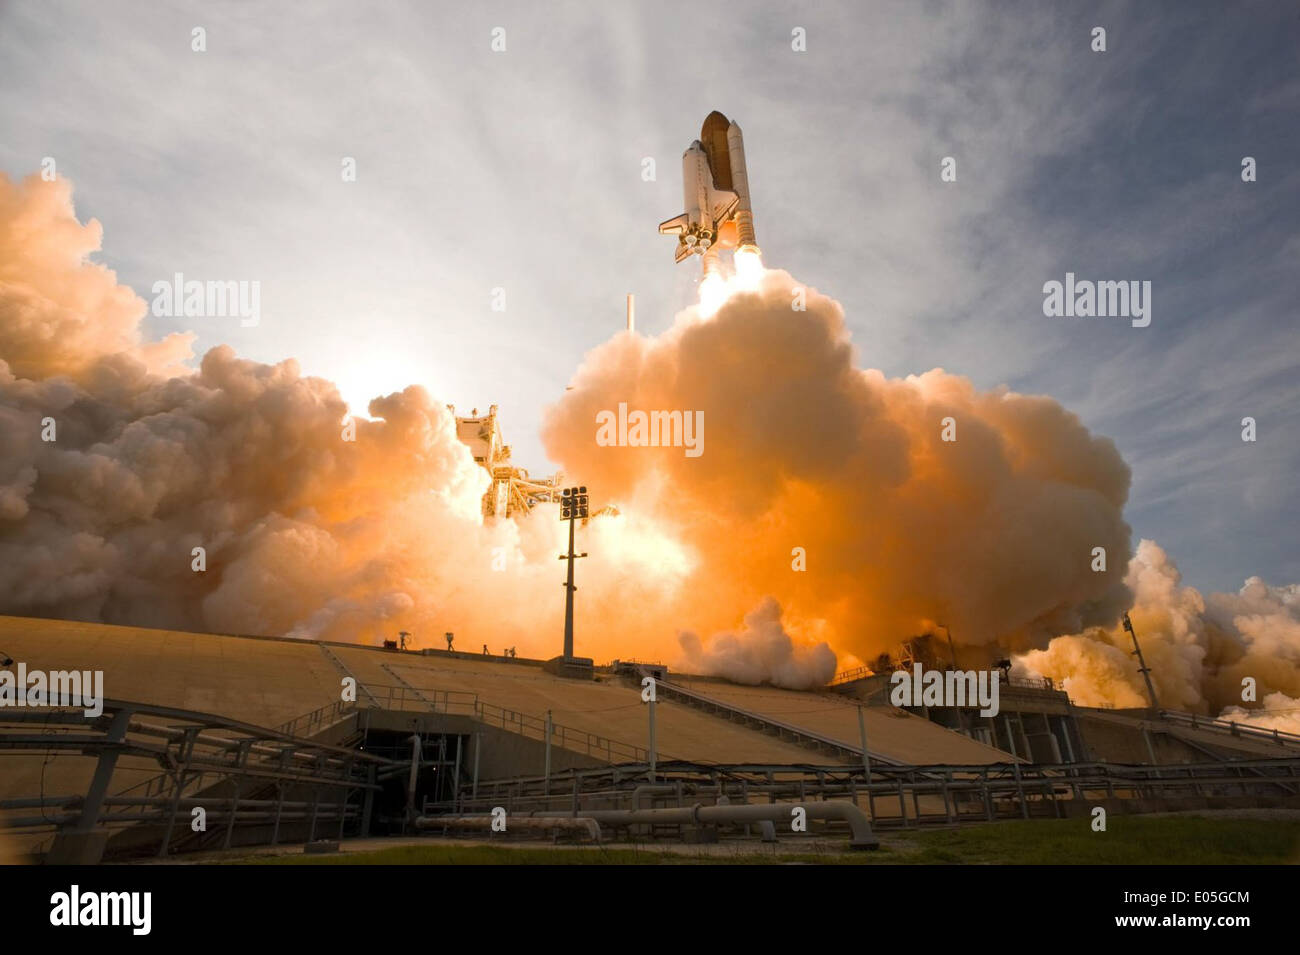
(566, 737)
(907, 795)
(800, 734)
(433, 700)
(1020, 682)
(848, 676)
(265, 782)
(232, 765)
(1230, 727)
(408, 698)
(319, 719)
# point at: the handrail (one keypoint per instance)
(1027, 683)
(215, 743)
(779, 724)
(848, 676)
(1232, 727)
(408, 697)
(316, 719)
(569, 738)
(431, 699)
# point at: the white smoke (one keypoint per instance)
(760, 652)
(1206, 655)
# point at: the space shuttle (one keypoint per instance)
(716, 186)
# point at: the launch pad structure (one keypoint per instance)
(436, 741)
(513, 490)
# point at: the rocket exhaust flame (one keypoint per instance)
(714, 291)
(749, 267)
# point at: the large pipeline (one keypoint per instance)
(582, 823)
(777, 812)
(592, 819)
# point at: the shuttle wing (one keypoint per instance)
(675, 226)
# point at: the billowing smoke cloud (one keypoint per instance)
(1203, 652)
(832, 488)
(307, 529)
(822, 489)
(59, 314)
(762, 652)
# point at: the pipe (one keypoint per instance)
(862, 836)
(528, 822)
(777, 812)
(262, 749)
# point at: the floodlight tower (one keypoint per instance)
(573, 507)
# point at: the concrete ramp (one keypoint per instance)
(268, 680)
(606, 707)
(893, 733)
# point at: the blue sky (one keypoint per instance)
(522, 170)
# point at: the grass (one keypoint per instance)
(1129, 840)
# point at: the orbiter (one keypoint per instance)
(716, 186)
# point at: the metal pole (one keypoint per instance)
(98, 789)
(478, 748)
(549, 729)
(343, 797)
(185, 754)
(366, 807)
(1146, 736)
(315, 802)
(455, 778)
(415, 769)
(652, 739)
(239, 785)
(279, 807)
(862, 735)
(1142, 663)
(1065, 735)
(568, 599)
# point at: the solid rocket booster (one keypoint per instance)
(740, 182)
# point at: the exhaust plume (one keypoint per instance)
(761, 652)
(832, 489)
(832, 507)
(1201, 651)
